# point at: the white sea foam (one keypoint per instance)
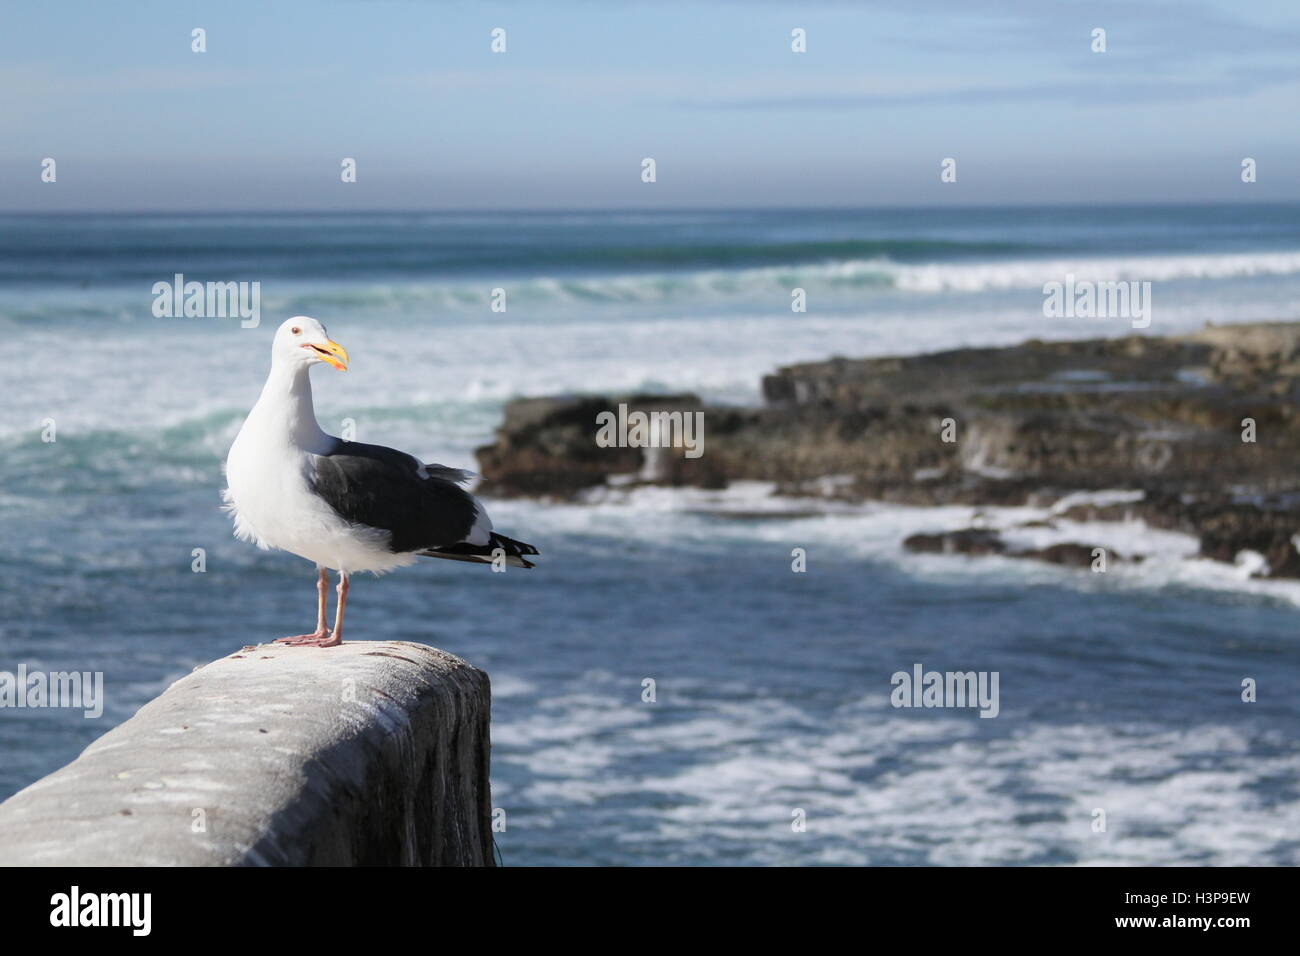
(702, 287)
(1033, 273)
(947, 797)
(97, 361)
(875, 532)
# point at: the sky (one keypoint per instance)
(712, 91)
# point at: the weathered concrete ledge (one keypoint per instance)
(366, 754)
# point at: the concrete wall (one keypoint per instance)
(370, 753)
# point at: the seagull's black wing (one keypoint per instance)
(388, 489)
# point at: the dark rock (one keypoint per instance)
(1227, 527)
(1069, 553)
(1033, 422)
(547, 447)
(973, 541)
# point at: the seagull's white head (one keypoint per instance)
(302, 341)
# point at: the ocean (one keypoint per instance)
(1119, 692)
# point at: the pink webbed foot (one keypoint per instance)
(312, 640)
(301, 638)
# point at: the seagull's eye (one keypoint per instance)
(296, 331)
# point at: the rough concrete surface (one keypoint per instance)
(369, 753)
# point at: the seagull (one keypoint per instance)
(344, 505)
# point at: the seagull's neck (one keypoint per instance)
(285, 411)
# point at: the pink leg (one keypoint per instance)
(323, 639)
(322, 585)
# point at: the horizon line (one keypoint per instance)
(570, 210)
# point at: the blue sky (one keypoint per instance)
(712, 91)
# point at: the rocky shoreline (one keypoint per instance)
(1204, 426)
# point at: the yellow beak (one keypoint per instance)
(331, 352)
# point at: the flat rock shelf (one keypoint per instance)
(1201, 428)
(369, 753)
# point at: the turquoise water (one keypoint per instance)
(1118, 691)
